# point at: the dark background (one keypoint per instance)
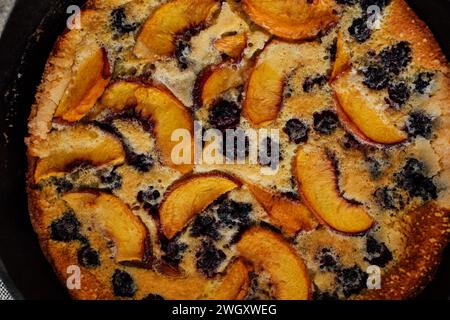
(23, 53)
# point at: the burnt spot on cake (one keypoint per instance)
(423, 81)
(123, 284)
(66, 229)
(206, 226)
(224, 114)
(351, 280)
(88, 257)
(412, 178)
(119, 22)
(326, 122)
(327, 259)
(377, 252)
(297, 131)
(209, 258)
(389, 198)
(419, 124)
(315, 81)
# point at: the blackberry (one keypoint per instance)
(359, 30)
(296, 130)
(325, 295)
(88, 257)
(62, 185)
(375, 167)
(412, 179)
(375, 77)
(419, 124)
(239, 150)
(328, 261)
(352, 280)
(209, 258)
(232, 213)
(153, 297)
(123, 284)
(140, 162)
(348, 141)
(173, 250)
(224, 115)
(311, 82)
(183, 47)
(119, 22)
(149, 197)
(389, 198)
(398, 94)
(325, 122)
(423, 81)
(269, 148)
(397, 57)
(112, 180)
(332, 50)
(66, 228)
(378, 253)
(205, 226)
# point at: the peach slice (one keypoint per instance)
(232, 45)
(113, 217)
(120, 95)
(157, 37)
(355, 103)
(342, 61)
(271, 253)
(292, 19)
(168, 115)
(264, 92)
(216, 80)
(90, 77)
(317, 178)
(82, 143)
(189, 197)
(290, 215)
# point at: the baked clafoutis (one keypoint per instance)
(346, 196)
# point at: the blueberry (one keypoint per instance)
(378, 253)
(66, 228)
(325, 122)
(153, 297)
(398, 94)
(141, 162)
(311, 82)
(62, 184)
(375, 167)
(297, 131)
(419, 124)
(352, 280)
(348, 141)
(150, 196)
(112, 180)
(423, 81)
(359, 30)
(205, 226)
(232, 213)
(123, 284)
(88, 257)
(389, 198)
(224, 114)
(119, 22)
(375, 77)
(183, 47)
(397, 57)
(412, 179)
(328, 261)
(209, 258)
(324, 295)
(173, 250)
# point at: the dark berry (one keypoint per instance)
(311, 82)
(269, 153)
(365, 4)
(183, 47)
(423, 81)
(375, 77)
(66, 228)
(173, 249)
(389, 198)
(112, 180)
(359, 30)
(141, 162)
(324, 295)
(123, 284)
(297, 131)
(232, 213)
(62, 184)
(224, 115)
(332, 50)
(153, 297)
(412, 179)
(397, 57)
(348, 141)
(377, 253)
(398, 94)
(88, 257)
(326, 122)
(205, 226)
(375, 167)
(209, 258)
(328, 261)
(352, 280)
(237, 148)
(119, 22)
(419, 124)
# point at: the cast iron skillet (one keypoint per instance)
(25, 45)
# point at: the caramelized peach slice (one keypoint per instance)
(264, 92)
(342, 61)
(113, 217)
(269, 252)
(120, 95)
(290, 215)
(216, 80)
(232, 45)
(90, 77)
(317, 178)
(355, 103)
(168, 115)
(189, 197)
(81, 143)
(157, 37)
(292, 19)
